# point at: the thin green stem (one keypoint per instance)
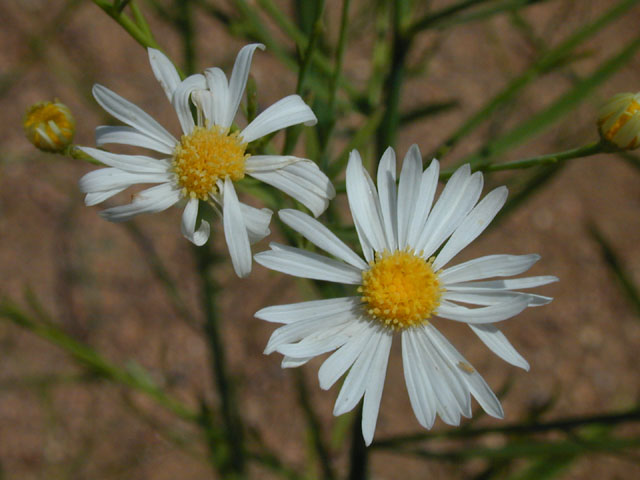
(333, 85)
(393, 84)
(305, 62)
(138, 33)
(314, 426)
(134, 378)
(434, 18)
(564, 424)
(185, 24)
(556, 110)
(624, 278)
(358, 455)
(548, 159)
(233, 430)
(543, 65)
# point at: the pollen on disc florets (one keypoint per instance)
(400, 290)
(205, 156)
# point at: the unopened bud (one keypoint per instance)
(49, 126)
(619, 121)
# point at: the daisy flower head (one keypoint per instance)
(619, 121)
(403, 283)
(205, 161)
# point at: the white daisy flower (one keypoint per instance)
(209, 156)
(403, 283)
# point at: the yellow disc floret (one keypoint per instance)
(205, 156)
(400, 290)
(49, 126)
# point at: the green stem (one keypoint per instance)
(314, 426)
(543, 65)
(564, 425)
(184, 23)
(139, 34)
(333, 85)
(433, 18)
(294, 132)
(393, 84)
(625, 280)
(358, 455)
(548, 159)
(85, 355)
(236, 464)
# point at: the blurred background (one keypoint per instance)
(106, 284)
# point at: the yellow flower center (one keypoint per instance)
(629, 112)
(205, 156)
(49, 126)
(400, 290)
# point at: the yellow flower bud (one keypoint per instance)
(49, 126)
(619, 121)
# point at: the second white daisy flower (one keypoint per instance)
(401, 287)
(203, 164)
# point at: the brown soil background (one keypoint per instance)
(93, 276)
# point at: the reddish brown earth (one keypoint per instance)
(95, 280)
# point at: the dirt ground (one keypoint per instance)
(95, 279)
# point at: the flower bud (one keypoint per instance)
(49, 126)
(619, 121)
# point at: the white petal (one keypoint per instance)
(300, 263)
(490, 314)
(488, 266)
(473, 225)
(446, 403)
(239, 76)
(129, 163)
(218, 112)
(321, 236)
(105, 179)
(132, 115)
(387, 194)
(428, 186)
(450, 374)
(313, 309)
(256, 220)
(408, 191)
(268, 163)
(507, 284)
(358, 377)
(457, 199)
(288, 111)
(300, 189)
(304, 181)
(324, 340)
(290, 362)
(235, 231)
(205, 109)
(476, 384)
(373, 392)
(421, 394)
(94, 198)
(165, 72)
(189, 216)
(496, 341)
(363, 202)
(181, 102)
(476, 296)
(151, 200)
(129, 136)
(295, 331)
(340, 361)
